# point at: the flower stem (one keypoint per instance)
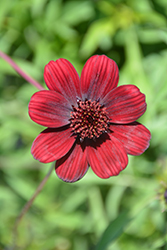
(28, 205)
(20, 71)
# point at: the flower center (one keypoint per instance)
(89, 119)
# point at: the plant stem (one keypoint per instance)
(28, 205)
(20, 71)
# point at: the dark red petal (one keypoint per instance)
(73, 166)
(62, 77)
(125, 104)
(107, 156)
(134, 136)
(99, 75)
(52, 144)
(50, 109)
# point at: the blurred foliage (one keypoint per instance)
(74, 216)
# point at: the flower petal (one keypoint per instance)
(52, 144)
(99, 75)
(125, 104)
(73, 166)
(61, 76)
(106, 156)
(134, 136)
(50, 109)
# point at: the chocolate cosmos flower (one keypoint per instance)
(91, 121)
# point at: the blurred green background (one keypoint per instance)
(74, 216)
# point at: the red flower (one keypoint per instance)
(90, 120)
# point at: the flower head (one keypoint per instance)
(91, 121)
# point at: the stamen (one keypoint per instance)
(89, 119)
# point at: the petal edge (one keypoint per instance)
(107, 159)
(49, 109)
(52, 144)
(100, 74)
(135, 137)
(61, 76)
(125, 104)
(73, 166)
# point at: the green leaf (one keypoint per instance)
(77, 12)
(99, 33)
(113, 231)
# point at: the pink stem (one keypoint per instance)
(22, 73)
(28, 205)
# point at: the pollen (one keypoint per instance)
(89, 119)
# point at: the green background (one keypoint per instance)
(74, 216)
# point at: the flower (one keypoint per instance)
(91, 121)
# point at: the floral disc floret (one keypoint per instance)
(89, 119)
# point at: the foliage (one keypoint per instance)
(74, 216)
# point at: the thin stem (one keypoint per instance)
(28, 205)
(20, 71)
